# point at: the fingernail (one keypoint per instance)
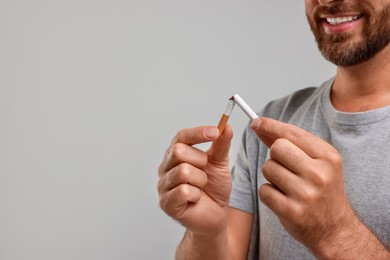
(212, 132)
(256, 124)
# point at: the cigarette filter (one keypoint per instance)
(225, 116)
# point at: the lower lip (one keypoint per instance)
(340, 28)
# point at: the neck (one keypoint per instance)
(363, 87)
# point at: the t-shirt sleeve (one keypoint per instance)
(241, 196)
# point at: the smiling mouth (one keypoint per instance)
(342, 19)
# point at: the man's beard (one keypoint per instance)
(336, 48)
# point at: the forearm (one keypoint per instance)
(356, 242)
(203, 247)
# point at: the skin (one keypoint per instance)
(307, 191)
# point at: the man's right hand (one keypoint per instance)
(194, 186)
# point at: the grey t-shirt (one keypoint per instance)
(362, 139)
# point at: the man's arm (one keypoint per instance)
(230, 244)
(203, 247)
(354, 241)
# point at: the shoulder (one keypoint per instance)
(284, 108)
(299, 104)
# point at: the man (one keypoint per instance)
(318, 160)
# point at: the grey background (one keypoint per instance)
(91, 94)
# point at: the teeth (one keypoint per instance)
(340, 20)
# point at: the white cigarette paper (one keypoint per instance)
(244, 106)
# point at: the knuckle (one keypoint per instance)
(278, 142)
(177, 150)
(264, 194)
(181, 191)
(298, 215)
(321, 179)
(177, 137)
(267, 169)
(183, 173)
(161, 168)
(334, 158)
(203, 180)
(160, 186)
(278, 146)
(309, 196)
(163, 203)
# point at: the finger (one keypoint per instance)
(273, 198)
(219, 150)
(196, 135)
(285, 180)
(291, 156)
(175, 201)
(273, 130)
(182, 153)
(183, 174)
(255, 125)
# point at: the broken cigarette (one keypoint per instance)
(242, 104)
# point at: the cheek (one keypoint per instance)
(309, 6)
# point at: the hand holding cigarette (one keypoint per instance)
(306, 185)
(242, 104)
(194, 186)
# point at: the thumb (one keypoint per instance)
(256, 126)
(219, 150)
